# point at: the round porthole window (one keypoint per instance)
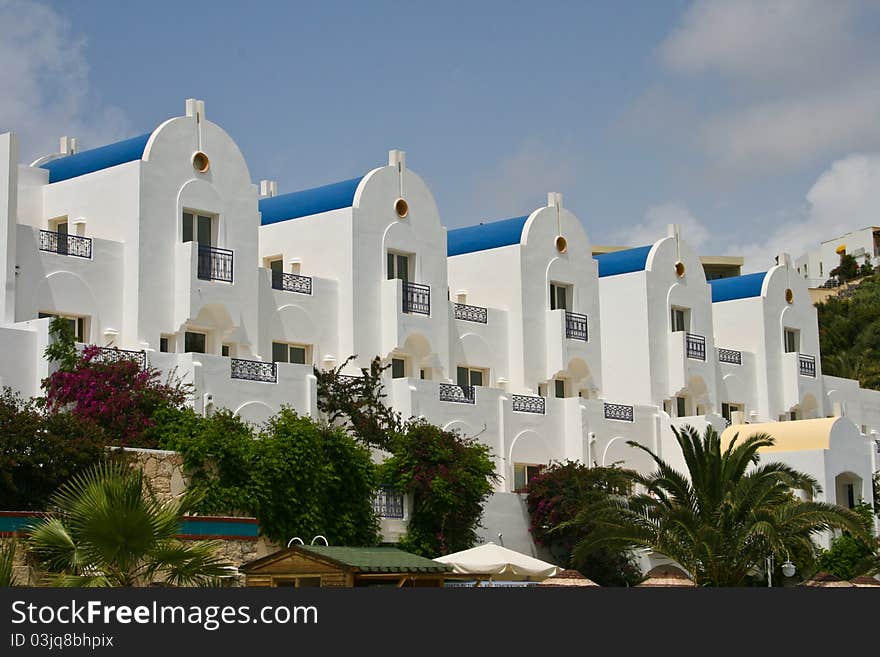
(789, 295)
(679, 268)
(401, 207)
(561, 244)
(201, 163)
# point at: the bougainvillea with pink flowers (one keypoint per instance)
(120, 397)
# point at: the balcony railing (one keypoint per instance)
(575, 326)
(254, 370)
(416, 298)
(471, 313)
(731, 356)
(291, 282)
(619, 412)
(388, 503)
(807, 365)
(528, 404)
(114, 355)
(696, 346)
(450, 392)
(215, 264)
(64, 244)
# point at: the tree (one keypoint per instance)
(357, 403)
(847, 270)
(41, 450)
(720, 520)
(110, 530)
(555, 495)
(117, 396)
(450, 477)
(298, 477)
(849, 555)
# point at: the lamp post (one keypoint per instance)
(788, 568)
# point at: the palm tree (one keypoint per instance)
(720, 520)
(110, 530)
(7, 563)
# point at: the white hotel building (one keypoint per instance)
(508, 330)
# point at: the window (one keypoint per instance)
(792, 340)
(850, 496)
(398, 368)
(398, 266)
(194, 342)
(77, 324)
(277, 266)
(560, 295)
(198, 225)
(542, 390)
(820, 270)
(680, 407)
(164, 344)
(667, 407)
(468, 376)
(297, 582)
(679, 319)
(523, 473)
(560, 388)
(283, 352)
(424, 374)
(727, 409)
(226, 350)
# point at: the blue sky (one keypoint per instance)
(754, 124)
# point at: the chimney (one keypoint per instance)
(397, 158)
(554, 199)
(268, 188)
(195, 108)
(67, 145)
(784, 259)
(673, 230)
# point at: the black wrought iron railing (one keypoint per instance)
(215, 264)
(449, 392)
(416, 298)
(731, 356)
(575, 326)
(291, 282)
(254, 370)
(619, 412)
(528, 404)
(807, 365)
(64, 244)
(114, 355)
(471, 313)
(388, 503)
(696, 346)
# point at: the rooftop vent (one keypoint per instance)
(268, 188)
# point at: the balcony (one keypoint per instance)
(575, 326)
(114, 355)
(254, 370)
(416, 298)
(695, 346)
(471, 313)
(460, 394)
(619, 412)
(291, 282)
(214, 264)
(807, 365)
(388, 503)
(730, 356)
(64, 244)
(528, 404)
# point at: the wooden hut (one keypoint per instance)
(343, 567)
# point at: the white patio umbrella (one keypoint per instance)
(494, 562)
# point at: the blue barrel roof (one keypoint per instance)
(485, 236)
(309, 201)
(111, 155)
(623, 262)
(737, 287)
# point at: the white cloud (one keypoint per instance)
(758, 39)
(844, 197)
(785, 133)
(654, 226)
(519, 184)
(44, 76)
(784, 83)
